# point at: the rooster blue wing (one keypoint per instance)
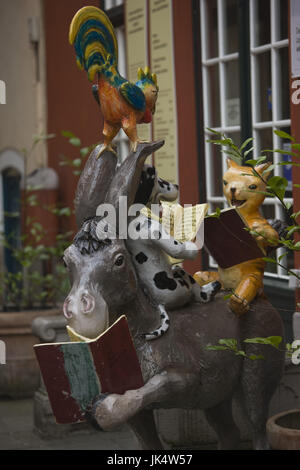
(133, 95)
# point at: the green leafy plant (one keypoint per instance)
(231, 345)
(40, 280)
(75, 163)
(276, 187)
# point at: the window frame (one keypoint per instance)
(221, 60)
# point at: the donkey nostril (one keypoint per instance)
(88, 303)
(67, 313)
(233, 190)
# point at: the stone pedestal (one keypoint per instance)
(50, 330)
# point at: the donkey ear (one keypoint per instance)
(93, 184)
(127, 178)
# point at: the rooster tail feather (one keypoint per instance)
(94, 40)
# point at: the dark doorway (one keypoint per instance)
(12, 218)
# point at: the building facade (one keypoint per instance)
(221, 64)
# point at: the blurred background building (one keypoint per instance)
(223, 64)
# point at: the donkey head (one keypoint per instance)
(100, 269)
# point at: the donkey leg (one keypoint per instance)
(143, 425)
(259, 381)
(221, 420)
(117, 409)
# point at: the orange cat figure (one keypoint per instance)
(240, 187)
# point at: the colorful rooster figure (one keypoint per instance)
(123, 104)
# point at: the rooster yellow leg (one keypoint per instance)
(109, 132)
(129, 127)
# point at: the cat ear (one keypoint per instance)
(261, 168)
(231, 163)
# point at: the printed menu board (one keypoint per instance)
(137, 47)
(157, 16)
(162, 63)
(295, 37)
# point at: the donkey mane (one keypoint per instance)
(86, 239)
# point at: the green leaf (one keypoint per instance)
(255, 357)
(297, 147)
(75, 141)
(76, 162)
(270, 340)
(248, 151)
(241, 353)
(231, 343)
(227, 296)
(245, 143)
(270, 260)
(284, 135)
(213, 131)
(270, 168)
(68, 134)
(256, 162)
(282, 256)
(216, 348)
(84, 151)
(283, 152)
(278, 185)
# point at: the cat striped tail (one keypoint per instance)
(94, 40)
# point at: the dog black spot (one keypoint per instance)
(156, 235)
(138, 227)
(175, 242)
(162, 281)
(192, 279)
(183, 283)
(204, 295)
(151, 171)
(176, 275)
(105, 228)
(141, 258)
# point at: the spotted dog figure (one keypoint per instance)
(170, 287)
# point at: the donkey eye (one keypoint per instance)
(252, 186)
(119, 260)
(225, 182)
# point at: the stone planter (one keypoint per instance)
(283, 430)
(19, 376)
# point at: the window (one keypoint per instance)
(269, 91)
(11, 172)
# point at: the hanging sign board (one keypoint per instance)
(136, 22)
(162, 63)
(295, 37)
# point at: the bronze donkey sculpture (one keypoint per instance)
(178, 370)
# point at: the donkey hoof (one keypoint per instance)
(90, 412)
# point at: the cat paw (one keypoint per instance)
(208, 291)
(238, 305)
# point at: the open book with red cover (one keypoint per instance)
(227, 239)
(74, 373)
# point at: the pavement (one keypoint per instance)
(17, 433)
